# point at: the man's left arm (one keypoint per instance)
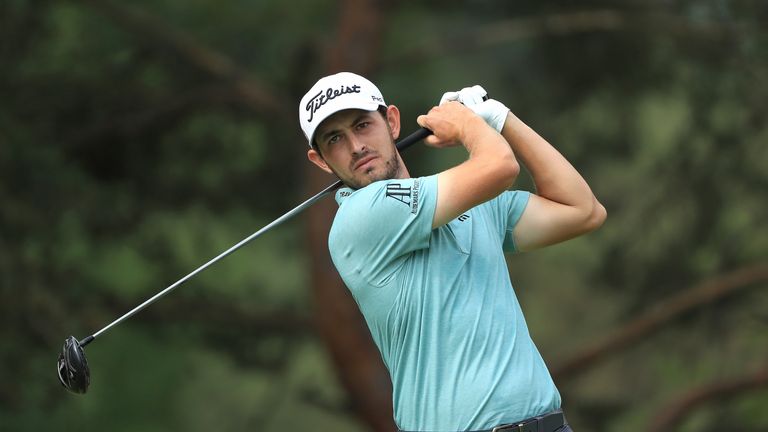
(563, 205)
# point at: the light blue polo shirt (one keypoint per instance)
(440, 305)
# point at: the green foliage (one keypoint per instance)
(125, 167)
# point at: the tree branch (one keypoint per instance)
(133, 124)
(255, 94)
(679, 409)
(337, 319)
(662, 314)
(561, 24)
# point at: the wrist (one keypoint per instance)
(475, 130)
(515, 131)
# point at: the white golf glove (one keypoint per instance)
(492, 111)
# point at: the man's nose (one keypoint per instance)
(356, 144)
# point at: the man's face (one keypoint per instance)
(358, 146)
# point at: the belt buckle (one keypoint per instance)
(512, 427)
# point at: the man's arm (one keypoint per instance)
(564, 205)
(490, 170)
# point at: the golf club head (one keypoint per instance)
(72, 366)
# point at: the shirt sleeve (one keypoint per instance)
(507, 210)
(377, 226)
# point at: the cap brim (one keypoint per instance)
(367, 106)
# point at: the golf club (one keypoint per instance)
(72, 366)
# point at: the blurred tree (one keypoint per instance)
(339, 323)
(138, 140)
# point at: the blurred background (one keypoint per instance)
(140, 139)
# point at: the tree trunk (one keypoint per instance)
(337, 318)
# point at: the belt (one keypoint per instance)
(549, 422)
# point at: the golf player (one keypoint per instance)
(424, 256)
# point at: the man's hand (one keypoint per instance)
(467, 96)
(492, 111)
(450, 123)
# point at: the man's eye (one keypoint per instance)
(363, 125)
(334, 139)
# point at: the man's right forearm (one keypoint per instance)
(489, 171)
(487, 148)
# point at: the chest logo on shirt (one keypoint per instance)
(406, 195)
(400, 193)
(463, 217)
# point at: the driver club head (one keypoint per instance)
(72, 367)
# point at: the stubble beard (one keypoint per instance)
(390, 171)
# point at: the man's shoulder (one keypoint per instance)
(355, 209)
(346, 194)
(380, 207)
(403, 194)
(356, 202)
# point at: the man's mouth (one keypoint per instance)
(363, 162)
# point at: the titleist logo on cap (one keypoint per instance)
(322, 97)
(334, 93)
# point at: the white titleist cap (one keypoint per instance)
(335, 93)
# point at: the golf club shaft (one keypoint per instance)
(402, 145)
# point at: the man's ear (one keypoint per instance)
(318, 160)
(393, 118)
